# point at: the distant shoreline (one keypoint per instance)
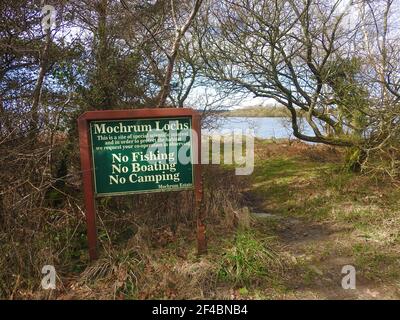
(276, 112)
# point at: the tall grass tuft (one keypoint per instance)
(249, 259)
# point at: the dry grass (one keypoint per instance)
(148, 242)
(41, 224)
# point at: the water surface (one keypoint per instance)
(264, 128)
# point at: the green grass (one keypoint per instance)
(275, 168)
(284, 184)
(247, 260)
(376, 263)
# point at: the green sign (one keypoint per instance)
(142, 155)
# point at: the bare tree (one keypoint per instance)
(381, 74)
(308, 56)
(172, 54)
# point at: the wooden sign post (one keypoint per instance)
(140, 151)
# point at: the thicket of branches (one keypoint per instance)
(97, 55)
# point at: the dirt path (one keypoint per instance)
(317, 255)
(314, 243)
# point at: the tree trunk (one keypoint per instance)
(357, 159)
(33, 126)
(2, 212)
